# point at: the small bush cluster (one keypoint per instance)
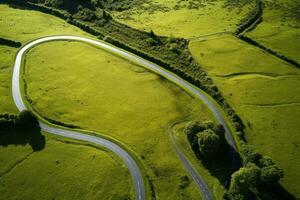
(258, 172)
(205, 139)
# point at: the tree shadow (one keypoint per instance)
(275, 192)
(23, 136)
(223, 165)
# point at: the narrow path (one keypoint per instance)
(135, 172)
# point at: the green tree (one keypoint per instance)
(219, 129)
(193, 127)
(271, 175)
(266, 161)
(249, 155)
(208, 142)
(243, 181)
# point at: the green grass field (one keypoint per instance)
(7, 55)
(279, 29)
(25, 25)
(117, 98)
(264, 92)
(182, 19)
(38, 176)
(63, 170)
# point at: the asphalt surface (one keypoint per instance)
(135, 172)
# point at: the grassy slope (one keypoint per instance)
(183, 22)
(69, 171)
(99, 91)
(41, 163)
(264, 91)
(280, 28)
(7, 55)
(26, 25)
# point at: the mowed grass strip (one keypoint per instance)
(96, 90)
(63, 170)
(264, 91)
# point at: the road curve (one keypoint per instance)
(136, 175)
(129, 161)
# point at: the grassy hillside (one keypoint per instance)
(25, 25)
(280, 28)
(186, 19)
(264, 91)
(7, 55)
(36, 175)
(63, 170)
(96, 90)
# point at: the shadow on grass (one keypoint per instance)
(276, 192)
(223, 165)
(23, 136)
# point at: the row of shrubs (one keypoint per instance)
(257, 179)
(170, 53)
(278, 55)
(252, 19)
(10, 43)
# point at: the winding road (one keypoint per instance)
(129, 161)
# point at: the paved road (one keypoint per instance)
(138, 181)
(129, 161)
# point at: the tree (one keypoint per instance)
(271, 175)
(193, 127)
(249, 155)
(208, 142)
(243, 181)
(266, 161)
(219, 129)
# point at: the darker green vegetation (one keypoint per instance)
(170, 53)
(10, 43)
(210, 146)
(257, 179)
(20, 130)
